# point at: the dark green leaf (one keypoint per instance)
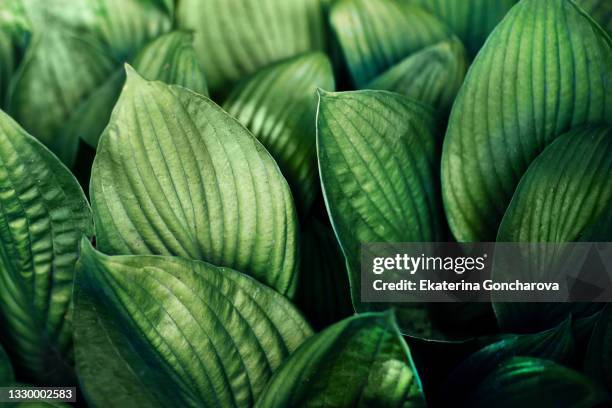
(58, 72)
(565, 192)
(376, 34)
(598, 362)
(545, 69)
(378, 158)
(44, 214)
(533, 382)
(555, 344)
(471, 20)
(323, 290)
(217, 335)
(278, 104)
(235, 38)
(7, 63)
(360, 361)
(432, 75)
(600, 10)
(176, 175)
(6, 369)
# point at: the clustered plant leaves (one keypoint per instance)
(185, 186)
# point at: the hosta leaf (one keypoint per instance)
(598, 361)
(323, 291)
(6, 369)
(600, 10)
(432, 75)
(523, 381)
(216, 334)
(59, 70)
(171, 58)
(471, 20)
(545, 69)
(360, 361)
(236, 37)
(556, 344)
(278, 104)
(44, 214)
(376, 34)
(176, 175)
(564, 193)
(378, 158)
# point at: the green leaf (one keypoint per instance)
(600, 10)
(323, 290)
(556, 344)
(176, 175)
(471, 20)
(360, 361)
(44, 214)
(432, 75)
(278, 104)
(376, 34)
(58, 72)
(235, 38)
(378, 159)
(545, 69)
(598, 361)
(6, 369)
(172, 59)
(8, 63)
(217, 335)
(525, 381)
(564, 193)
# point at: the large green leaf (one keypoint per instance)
(378, 159)
(170, 58)
(323, 291)
(545, 69)
(556, 344)
(376, 34)
(214, 334)
(176, 175)
(59, 71)
(533, 382)
(600, 10)
(471, 20)
(237, 37)
(360, 361)
(562, 196)
(278, 104)
(432, 75)
(44, 214)
(598, 361)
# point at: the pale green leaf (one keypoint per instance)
(564, 194)
(378, 159)
(471, 20)
(176, 175)
(523, 381)
(432, 75)
(44, 214)
(374, 35)
(278, 104)
(545, 69)
(216, 335)
(235, 38)
(360, 361)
